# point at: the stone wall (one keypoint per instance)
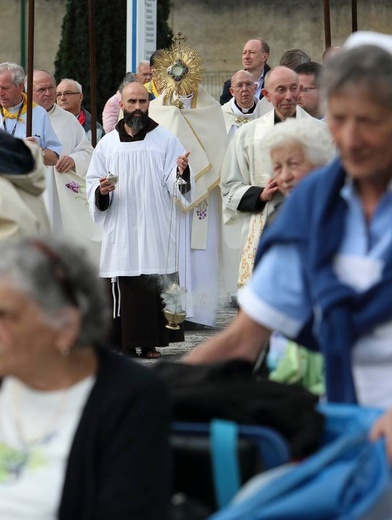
(48, 19)
(217, 28)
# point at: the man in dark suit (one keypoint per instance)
(254, 59)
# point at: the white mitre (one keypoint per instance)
(369, 38)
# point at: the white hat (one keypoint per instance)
(369, 38)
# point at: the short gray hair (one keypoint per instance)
(143, 62)
(366, 66)
(53, 79)
(36, 71)
(77, 85)
(314, 137)
(56, 274)
(238, 72)
(17, 72)
(128, 78)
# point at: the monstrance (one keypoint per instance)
(178, 70)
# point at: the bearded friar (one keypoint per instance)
(138, 250)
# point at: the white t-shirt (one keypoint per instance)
(36, 433)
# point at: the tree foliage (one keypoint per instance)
(73, 56)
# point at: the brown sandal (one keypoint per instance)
(150, 353)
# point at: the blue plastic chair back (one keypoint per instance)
(347, 479)
(273, 451)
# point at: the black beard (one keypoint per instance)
(136, 122)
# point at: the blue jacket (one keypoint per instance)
(312, 218)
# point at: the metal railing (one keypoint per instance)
(213, 82)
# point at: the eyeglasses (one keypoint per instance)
(43, 90)
(248, 85)
(308, 89)
(66, 94)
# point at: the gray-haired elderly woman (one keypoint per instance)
(296, 147)
(83, 432)
(293, 149)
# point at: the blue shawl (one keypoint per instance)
(313, 217)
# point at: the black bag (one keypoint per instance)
(229, 390)
(185, 508)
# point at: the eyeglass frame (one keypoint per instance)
(307, 89)
(247, 85)
(43, 90)
(66, 94)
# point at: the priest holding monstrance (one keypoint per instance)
(185, 108)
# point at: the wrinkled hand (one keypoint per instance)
(65, 164)
(269, 191)
(105, 186)
(182, 162)
(383, 428)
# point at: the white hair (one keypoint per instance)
(238, 72)
(313, 135)
(17, 72)
(78, 86)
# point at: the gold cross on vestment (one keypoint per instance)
(241, 120)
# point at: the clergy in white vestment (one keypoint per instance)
(248, 191)
(22, 181)
(242, 108)
(196, 119)
(139, 216)
(65, 193)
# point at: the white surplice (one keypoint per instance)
(140, 224)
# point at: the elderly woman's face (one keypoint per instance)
(26, 339)
(290, 164)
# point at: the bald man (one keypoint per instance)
(244, 106)
(247, 189)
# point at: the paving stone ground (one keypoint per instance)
(192, 338)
